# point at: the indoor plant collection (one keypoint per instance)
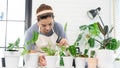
(98, 34)
(93, 33)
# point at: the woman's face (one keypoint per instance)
(46, 25)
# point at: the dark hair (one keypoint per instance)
(44, 16)
(43, 7)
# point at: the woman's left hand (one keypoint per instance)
(42, 61)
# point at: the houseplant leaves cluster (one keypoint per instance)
(31, 41)
(49, 50)
(100, 34)
(14, 46)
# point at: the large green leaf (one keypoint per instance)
(35, 36)
(93, 29)
(106, 28)
(72, 50)
(91, 42)
(112, 45)
(101, 28)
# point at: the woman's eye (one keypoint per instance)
(44, 25)
(50, 24)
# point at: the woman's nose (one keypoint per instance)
(48, 28)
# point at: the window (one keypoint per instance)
(12, 23)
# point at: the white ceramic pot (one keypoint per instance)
(117, 64)
(12, 59)
(31, 60)
(68, 62)
(80, 62)
(51, 61)
(105, 58)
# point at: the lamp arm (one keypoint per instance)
(101, 20)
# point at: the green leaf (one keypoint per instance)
(49, 50)
(35, 36)
(11, 46)
(72, 50)
(61, 61)
(93, 29)
(85, 52)
(83, 27)
(111, 29)
(92, 53)
(63, 48)
(25, 51)
(91, 42)
(106, 30)
(101, 28)
(79, 37)
(65, 27)
(17, 42)
(61, 53)
(14, 45)
(113, 44)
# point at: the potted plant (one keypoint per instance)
(12, 55)
(80, 59)
(101, 35)
(117, 63)
(87, 36)
(50, 57)
(68, 59)
(30, 59)
(67, 53)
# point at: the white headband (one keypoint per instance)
(45, 11)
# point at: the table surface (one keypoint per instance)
(40, 67)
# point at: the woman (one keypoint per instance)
(49, 31)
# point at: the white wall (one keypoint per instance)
(117, 19)
(74, 12)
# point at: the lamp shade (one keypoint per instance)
(93, 12)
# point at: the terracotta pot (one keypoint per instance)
(92, 62)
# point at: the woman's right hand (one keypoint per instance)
(42, 61)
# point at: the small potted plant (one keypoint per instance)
(30, 59)
(50, 56)
(67, 53)
(80, 59)
(12, 55)
(117, 63)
